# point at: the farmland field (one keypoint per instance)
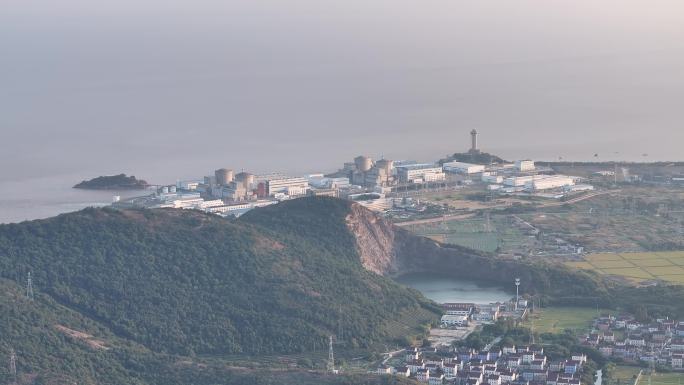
(409, 323)
(667, 266)
(662, 379)
(557, 319)
(625, 374)
(477, 233)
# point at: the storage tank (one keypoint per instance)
(363, 163)
(223, 176)
(172, 189)
(386, 165)
(246, 179)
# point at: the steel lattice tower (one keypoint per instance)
(29, 287)
(331, 357)
(13, 365)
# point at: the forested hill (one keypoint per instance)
(113, 182)
(187, 283)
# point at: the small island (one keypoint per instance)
(113, 182)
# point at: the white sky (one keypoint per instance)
(177, 88)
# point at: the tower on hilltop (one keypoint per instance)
(473, 140)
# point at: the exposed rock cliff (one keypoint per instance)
(375, 239)
(392, 251)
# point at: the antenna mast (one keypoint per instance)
(29, 287)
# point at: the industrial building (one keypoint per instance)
(518, 181)
(420, 173)
(288, 186)
(524, 165)
(463, 168)
(547, 182)
(488, 178)
(364, 172)
(223, 176)
(454, 320)
(539, 182)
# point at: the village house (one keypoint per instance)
(508, 349)
(436, 379)
(572, 366)
(402, 371)
(677, 361)
(423, 375)
(609, 336)
(384, 369)
(450, 370)
(415, 365)
(493, 379)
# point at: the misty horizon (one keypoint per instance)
(169, 90)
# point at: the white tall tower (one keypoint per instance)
(517, 298)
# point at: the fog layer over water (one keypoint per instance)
(174, 89)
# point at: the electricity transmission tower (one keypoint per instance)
(331, 358)
(13, 366)
(29, 287)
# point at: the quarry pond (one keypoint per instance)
(442, 289)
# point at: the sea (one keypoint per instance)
(44, 197)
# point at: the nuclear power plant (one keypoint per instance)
(383, 185)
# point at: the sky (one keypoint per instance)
(173, 89)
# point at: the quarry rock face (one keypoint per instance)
(375, 239)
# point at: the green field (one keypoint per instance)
(409, 323)
(475, 233)
(666, 265)
(557, 319)
(625, 374)
(663, 379)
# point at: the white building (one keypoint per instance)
(524, 165)
(518, 181)
(463, 168)
(495, 179)
(547, 182)
(288, 186)
(539, 182)
(454, 320)
(420, 173)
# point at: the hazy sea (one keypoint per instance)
(36, 198)
(50, 194)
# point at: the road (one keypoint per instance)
(470, 215)
(578, 199)
(390, 355)
(447, 217)
(494, 342)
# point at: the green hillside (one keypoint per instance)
(155, 284)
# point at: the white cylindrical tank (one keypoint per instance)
(246, 179)
(172, 189)
(363, 163)
(386, 165)
(223, 176)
